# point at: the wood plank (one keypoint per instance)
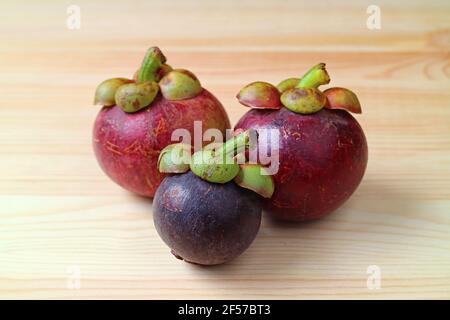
(59, 211)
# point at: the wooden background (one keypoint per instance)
(59, 213)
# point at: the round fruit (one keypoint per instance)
(205, 223)
(322, 157)
(127, 145)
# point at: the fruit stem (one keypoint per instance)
(315, 77)
(218, 164)
(153, 60)
(236, 144)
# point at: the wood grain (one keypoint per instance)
(58, 210)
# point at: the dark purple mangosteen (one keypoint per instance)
(212, 213)
(205, 223)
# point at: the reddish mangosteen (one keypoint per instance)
(322, 150)
(139, 116)
(212, 213)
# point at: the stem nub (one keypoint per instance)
(151, 64)
(315, 77)
(219, 165)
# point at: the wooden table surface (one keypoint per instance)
(61, 217)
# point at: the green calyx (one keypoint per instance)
(259, 95)
(315, 77)
(153, 61)
(165, 69)
(180, 84)
(303, 100)
(213, 167)
(219, 164)
(175, 158)
(133, 97)
(304, 97)
(106, 91)
(255, 178)
(287, 84)
(342, 98)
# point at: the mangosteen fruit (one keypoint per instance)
(322, 149)
(139, 116)
(210, 214)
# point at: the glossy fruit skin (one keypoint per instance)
(205, 223)
(127, 145)
(323, 157)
